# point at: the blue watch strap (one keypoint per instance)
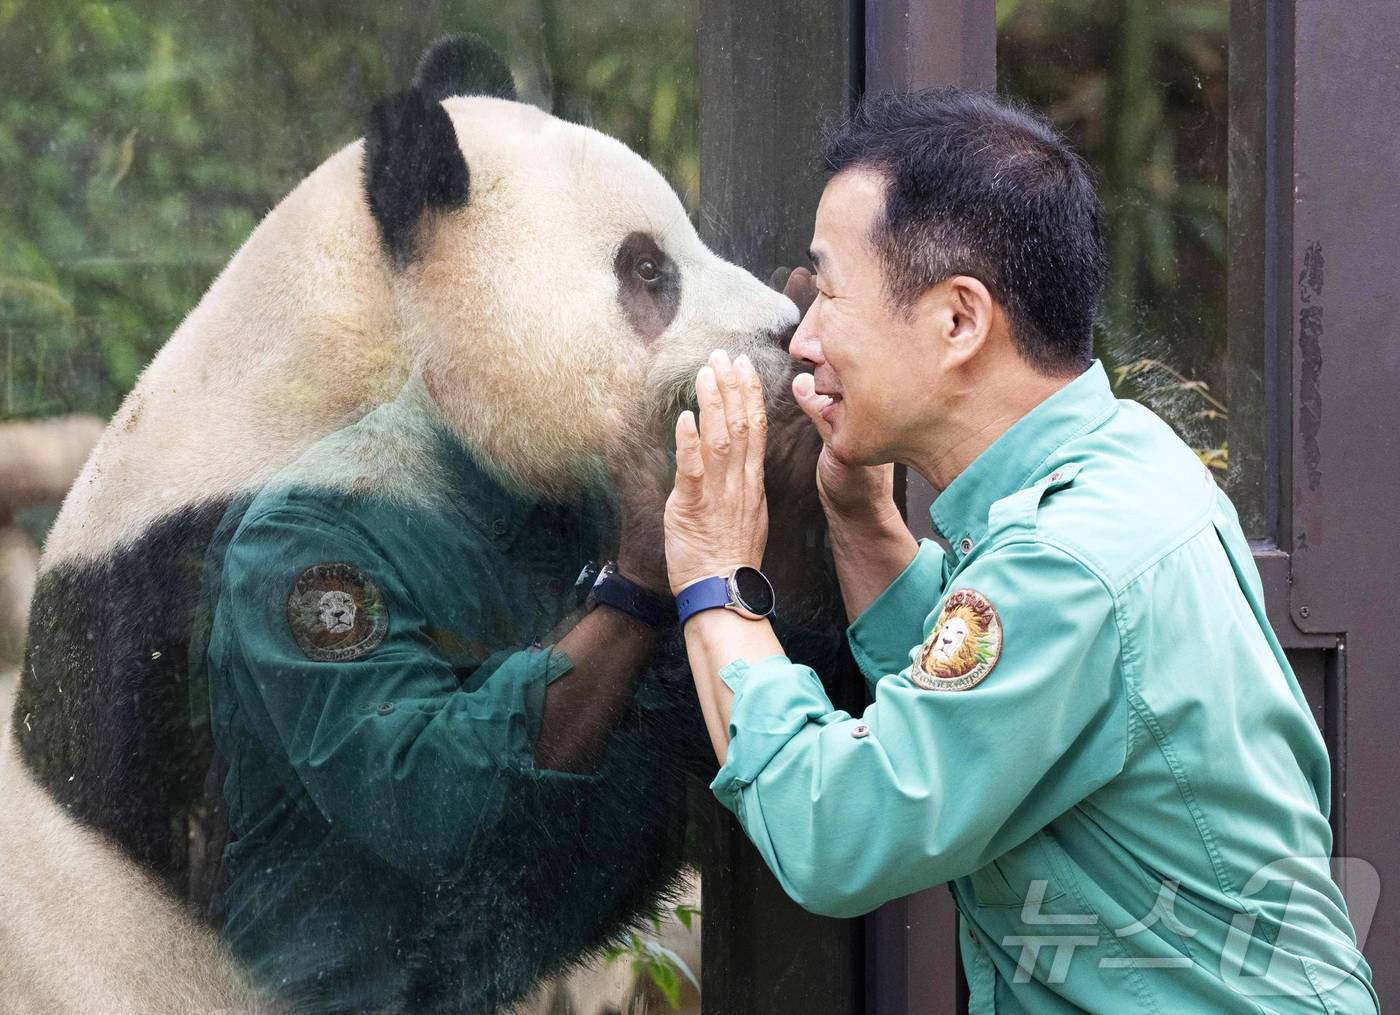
(632, 599)
(706, 594)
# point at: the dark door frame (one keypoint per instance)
(1328, 311)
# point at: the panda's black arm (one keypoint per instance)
(609, 650)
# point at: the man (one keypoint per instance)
(1081, 719)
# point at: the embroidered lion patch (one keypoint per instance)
(336, 613)
(964, 646)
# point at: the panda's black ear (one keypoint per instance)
(413, 164)
(463, 65)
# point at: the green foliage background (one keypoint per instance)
(141, 142)
(1140, 89)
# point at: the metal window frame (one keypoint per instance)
(1333, 347)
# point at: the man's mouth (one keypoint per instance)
(830, 408)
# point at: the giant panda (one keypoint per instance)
(488, 248)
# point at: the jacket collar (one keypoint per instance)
(500, 508)
(1017, 458)
(492, 503)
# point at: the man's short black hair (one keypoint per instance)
(977, 186)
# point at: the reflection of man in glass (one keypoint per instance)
(429, 740)
(1120, 714)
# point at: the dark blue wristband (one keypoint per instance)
(706, 594)
(612, 589)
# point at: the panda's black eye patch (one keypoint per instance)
(648, 285)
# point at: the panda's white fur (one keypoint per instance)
(508, 312)
(294, 339)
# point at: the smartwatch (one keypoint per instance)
(745, 590)
(611, 589)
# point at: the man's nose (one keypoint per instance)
(805, 346)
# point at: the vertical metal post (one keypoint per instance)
(912, 953)
(770, 74)
(1259, 160)
(923, 43)
(1339, 338)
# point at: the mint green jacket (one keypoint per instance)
(1083, 723)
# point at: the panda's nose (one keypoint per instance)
(784, 337)
(798, 287)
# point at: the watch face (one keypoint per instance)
(753, 591)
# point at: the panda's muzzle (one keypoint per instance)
(779, 339)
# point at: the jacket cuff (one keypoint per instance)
(883, 637)
(546, 666)
(773, 700)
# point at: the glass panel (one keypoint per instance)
(396, 847)
(1141, 89)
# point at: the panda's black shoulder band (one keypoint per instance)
(413, 164)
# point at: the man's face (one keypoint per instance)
(869, 358)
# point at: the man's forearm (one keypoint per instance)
(869, 554)
(713, 640)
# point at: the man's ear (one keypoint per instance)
(965, 317)
(413, 164)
